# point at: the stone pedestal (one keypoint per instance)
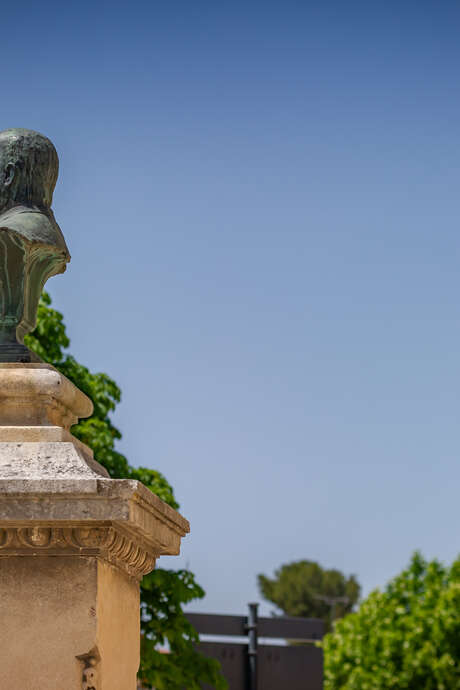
(73, 544)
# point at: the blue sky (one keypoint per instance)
(261, 202)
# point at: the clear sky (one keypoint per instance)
(262, 204)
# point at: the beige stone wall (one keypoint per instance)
(55, 609)
(47, 617)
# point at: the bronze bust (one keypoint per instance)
(32, 247)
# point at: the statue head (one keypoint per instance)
(29, 167)
(32, 248)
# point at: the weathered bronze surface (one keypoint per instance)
(32, 247)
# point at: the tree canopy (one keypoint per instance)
(304, 588)
(404, 637)
(163, 592)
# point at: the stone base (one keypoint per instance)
(73, 544)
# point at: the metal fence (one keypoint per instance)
(256, 665)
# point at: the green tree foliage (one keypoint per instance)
(406, 637)
(163, 592)
(304, 588)
(163, 620)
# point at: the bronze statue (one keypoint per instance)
(32, 247)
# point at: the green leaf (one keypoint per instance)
(407, 636)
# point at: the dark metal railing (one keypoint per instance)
(261, 666)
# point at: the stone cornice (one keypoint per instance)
(119, 521)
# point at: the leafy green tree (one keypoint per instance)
(163, 592)
(304, 588)
(405, 637)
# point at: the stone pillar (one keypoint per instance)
(73, 544)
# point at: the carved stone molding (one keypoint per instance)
(90, 674)
(116, 520)
(112, 544)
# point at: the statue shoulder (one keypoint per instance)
(34, 226)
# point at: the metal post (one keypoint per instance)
(252, 645)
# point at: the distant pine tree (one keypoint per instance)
(304, 588)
